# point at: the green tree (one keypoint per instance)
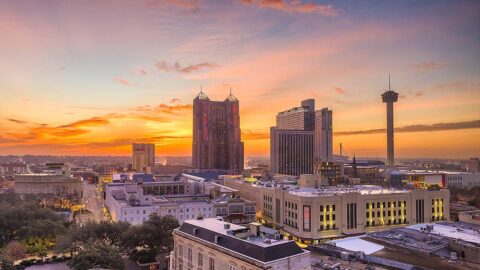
(97, 254)
(77, 237)
(154, 236)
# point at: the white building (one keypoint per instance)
(462, 179)
(127, 202)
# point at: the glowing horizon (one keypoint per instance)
(91, 78)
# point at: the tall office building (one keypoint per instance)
(292, 140)
(390, 97)
(216, 134)
(143, 157)
(323, 136)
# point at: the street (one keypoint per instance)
(93, 203)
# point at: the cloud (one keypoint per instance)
(340, 90)
(191, 5)
(176, 67)
(296, 6)
(16, 121)
(122, 81)
(250, 135)
(94, 121)
(427, 66)
(417, 128)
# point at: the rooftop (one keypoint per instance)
(466, 234)
(333, 190)
(234, 238)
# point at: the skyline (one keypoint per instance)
(90, 79)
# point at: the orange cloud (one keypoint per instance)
(250, 135)
(418, 128)
(295, 6)
(122, 81)
(340, 90)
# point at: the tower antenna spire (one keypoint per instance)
(230, 90)
(389, 89)
(201, 88)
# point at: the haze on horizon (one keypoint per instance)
(91, 77)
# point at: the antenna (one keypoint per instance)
(201, 88)
(230, 90)
(389, 82)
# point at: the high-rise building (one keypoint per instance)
(298, 118)
(143, 157)
(301, 137)
(323, 136)
(390, 97)
(216, 134)
(292, 139)
(291, 151)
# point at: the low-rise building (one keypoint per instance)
(470, 165)
(312, 215)
(215, 244)
(462, 179)
(128, 202)
(234, 210)
(472, 217)
(48, 183)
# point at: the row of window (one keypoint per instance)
(211, 260)
(386, 204)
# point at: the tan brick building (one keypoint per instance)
(312, 215)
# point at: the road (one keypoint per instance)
(93, 203)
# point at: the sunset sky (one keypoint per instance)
(91, 77)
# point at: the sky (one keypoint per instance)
(92, 77)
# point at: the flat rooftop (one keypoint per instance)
(331, 191)
(234, 238)
(471, 234)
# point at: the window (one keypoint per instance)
(200, 259)
(189, 254)
(211, 263)
(232, 267)
(180, 251)
(306, 217)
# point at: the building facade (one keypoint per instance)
(216, 134)
(213, 244)
(130, 203)
(291, 151)
(470, 165)
(301, 137)
(46, 183)
(323, 136)
(311, 215)
(143, 157)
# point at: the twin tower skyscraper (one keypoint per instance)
(217, 143)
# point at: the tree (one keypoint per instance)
(97, 254)
(42, 254)
(15, 251)
(154, 236)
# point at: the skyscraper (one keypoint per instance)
(390, 97)
(292, 140)
(323, 136)
(143, 157)
(216, 134)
